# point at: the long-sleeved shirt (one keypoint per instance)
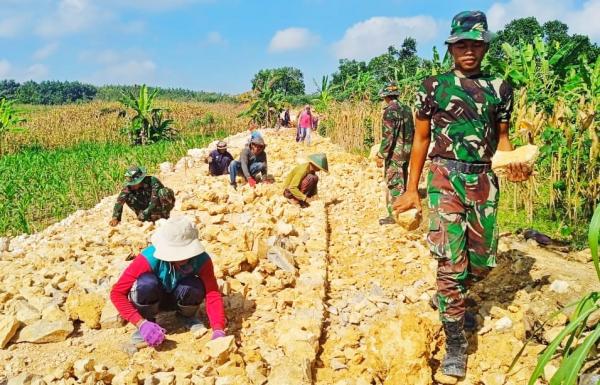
(294, 178)
(139, 266)
(219, 163)
(397, 133)
(144, 199)
(247, 158)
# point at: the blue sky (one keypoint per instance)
(217, 45)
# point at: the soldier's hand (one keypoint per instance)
(114, 222)
(518, 172)
(142, 216)
(379, 162)
(407, 201)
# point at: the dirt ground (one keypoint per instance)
(352, 311)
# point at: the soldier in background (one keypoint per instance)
(145, 195)
(394, 153)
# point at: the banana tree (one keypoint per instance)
(581, 337)
(267, 103)
(148, 124)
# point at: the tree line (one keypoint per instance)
(51, 92)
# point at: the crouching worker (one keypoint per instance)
(301, 183)
(174, 273)
(218, 160)
(252, 164)
(145, 195)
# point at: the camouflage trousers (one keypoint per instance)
(166, 202)
(396, 175)
(463, 234)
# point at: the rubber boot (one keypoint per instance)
(470, 322)
(189, 313)
(455, 361)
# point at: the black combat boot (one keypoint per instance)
(455, 361)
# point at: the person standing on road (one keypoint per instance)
(467, 114)
(218, 160)
(145, 195)
(394, 152)
(305, 125)
(174, 273)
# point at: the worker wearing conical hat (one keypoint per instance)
(301, 182)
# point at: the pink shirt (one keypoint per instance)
(305, 120)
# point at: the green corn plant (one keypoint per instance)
(9, 120)
(148, 124)
(581, 338)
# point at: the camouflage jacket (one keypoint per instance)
(142, 200)
(398, 130)
(465, 112)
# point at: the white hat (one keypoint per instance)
(176, 240)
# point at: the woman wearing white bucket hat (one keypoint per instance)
(176, 273)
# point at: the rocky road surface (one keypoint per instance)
(322, 295)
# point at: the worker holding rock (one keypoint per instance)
(218, 160)
(145, 195)
(467, 114)
(252, 164)
(301, 182)
(174, 273)
(394, 152)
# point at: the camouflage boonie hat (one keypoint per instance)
(135, 175)
(470, 25)
(389, 89)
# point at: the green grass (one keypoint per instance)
(39, 187)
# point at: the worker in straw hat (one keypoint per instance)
(218, 160)
(301, 182)
(396, 140)
(174, 273)
(466, 114)
(145, 195)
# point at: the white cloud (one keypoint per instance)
(45, 51)
(5, 68)
(156, 5)
(120, 67)
(580, 18)
(292, 39)
(214, 38)
(371, 37)
(35, 72)
(12, 25)
(71, 16)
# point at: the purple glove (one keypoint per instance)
(218, 334)
(152, 333)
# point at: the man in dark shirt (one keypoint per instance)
(218, 160)
(253, 161)
(145, 195)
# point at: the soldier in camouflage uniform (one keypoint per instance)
(394, 152)
(145, 195)
(466, 113)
